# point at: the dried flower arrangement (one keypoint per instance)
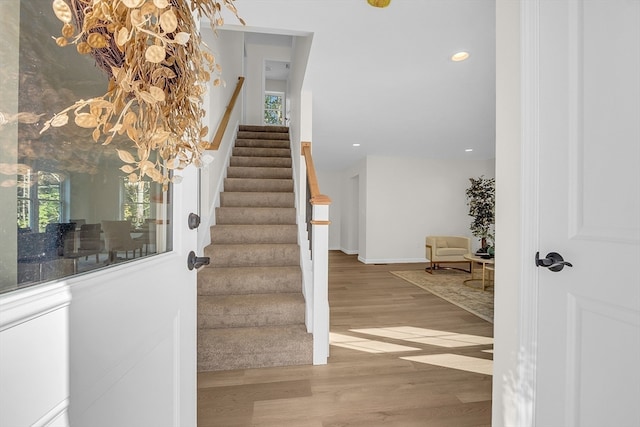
(158, 70)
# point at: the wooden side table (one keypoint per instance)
(488, 264)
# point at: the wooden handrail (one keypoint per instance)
(217, 139)
(316, 197)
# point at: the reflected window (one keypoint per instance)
(75, 211)
(39, 199)
(136, 205)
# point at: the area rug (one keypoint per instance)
(447, 284)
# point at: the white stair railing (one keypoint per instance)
(317, 294)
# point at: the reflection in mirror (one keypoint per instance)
(76, 211)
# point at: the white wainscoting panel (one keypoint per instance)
(34, 356)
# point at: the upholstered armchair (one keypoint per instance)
(447, 249)
(117, 238)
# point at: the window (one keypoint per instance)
(74, 212)
(136, 204)
(39, 199)
(49, 203)
(274, 108)
(24, 201)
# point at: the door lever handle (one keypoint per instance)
(553, 261)
(194, 261)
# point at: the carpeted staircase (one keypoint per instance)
(250, 303)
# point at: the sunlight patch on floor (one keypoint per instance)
(363, 344)
(455, 361)
(427, 336)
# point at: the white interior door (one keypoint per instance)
(132, 334)
(587, 334)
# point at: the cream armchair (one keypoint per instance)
(447, 249)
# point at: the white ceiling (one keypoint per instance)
(383, 78)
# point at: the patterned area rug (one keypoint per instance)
(447, 284)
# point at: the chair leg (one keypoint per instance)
(430, 268)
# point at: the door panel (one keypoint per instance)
(603, 119)
(588, 315)
(132, 335)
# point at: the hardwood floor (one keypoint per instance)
(367, 382)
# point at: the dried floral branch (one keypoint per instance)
(158, 71)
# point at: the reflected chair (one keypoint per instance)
(117, 238)
(34, 249)
(61, 236)
(79, 222)
(148, 237)
(88, 243)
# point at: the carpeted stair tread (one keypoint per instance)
(257, 199)
(257, 161)
(243, 215)
(258, 172)
(244, 280)
(249, 310)
(247, 134)
(258, 184)
(253, 255)
(261, 152)
(263, 143)
(238, 348)
(225, 234)
(264, 129)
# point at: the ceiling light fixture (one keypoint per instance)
(459, 56)
(379, 3)
(356, 145)
(468, 150)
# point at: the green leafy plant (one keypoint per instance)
(481, 199)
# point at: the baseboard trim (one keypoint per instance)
(392, 260)
(347, 251)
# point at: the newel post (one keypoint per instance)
(319, 223)
(320, 249)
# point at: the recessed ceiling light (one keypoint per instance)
(459, 56)
(468, 150)
(356, 145)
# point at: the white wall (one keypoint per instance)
(400, 201)
(330, 185)
(257, 54)
(96, 197)
(228, 48)
(275, 85)
(300, 128)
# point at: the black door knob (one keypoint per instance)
(194, 261)
(553, 261)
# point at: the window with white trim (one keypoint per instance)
(274, 108)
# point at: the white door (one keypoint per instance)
(587, 122)
(132, 334)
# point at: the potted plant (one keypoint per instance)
(481, 199)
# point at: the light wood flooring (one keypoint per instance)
(377, 320)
